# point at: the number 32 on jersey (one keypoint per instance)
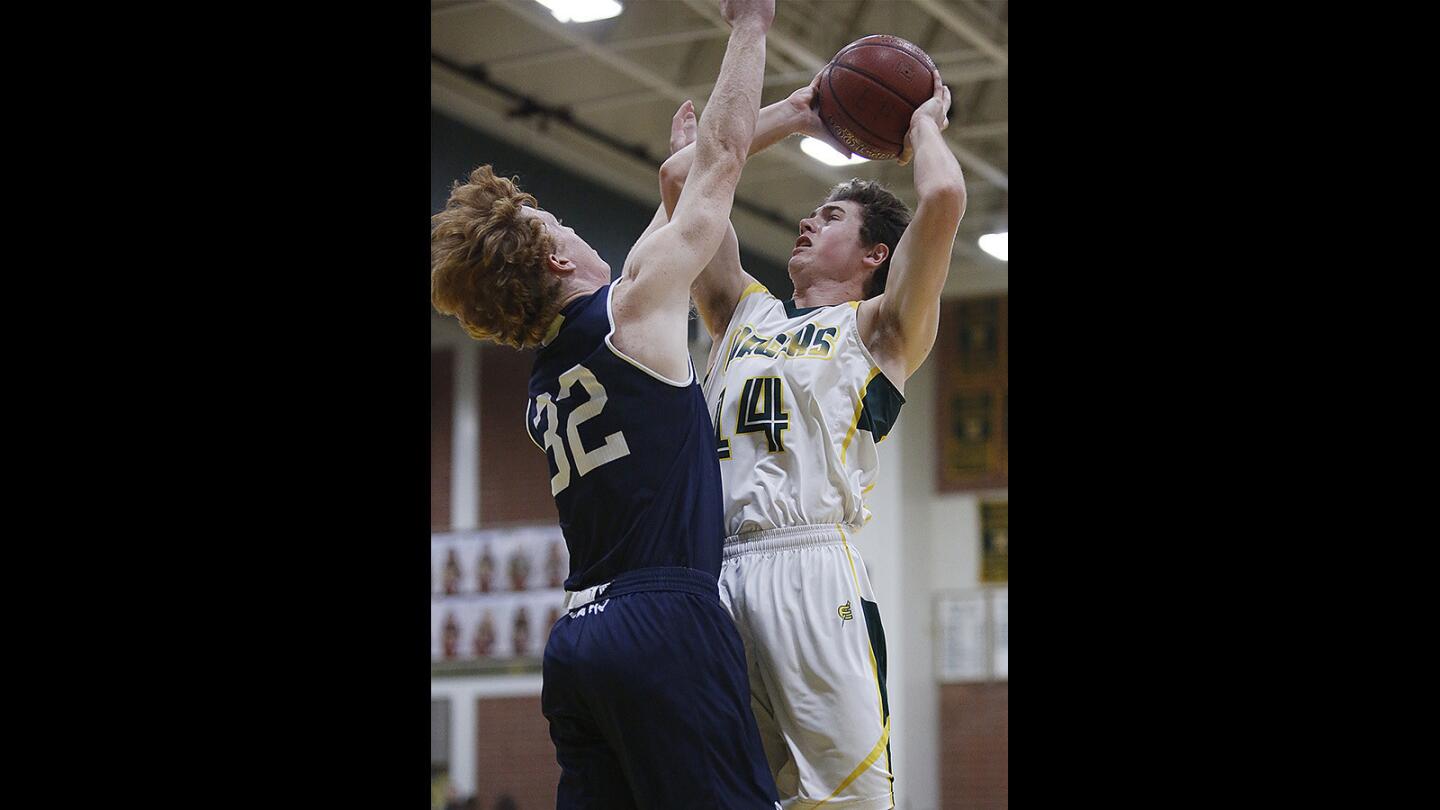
(585, 460)
(761, 409)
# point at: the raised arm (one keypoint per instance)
(651, 305)
(718, 288)
(682, 134)
(899, 326)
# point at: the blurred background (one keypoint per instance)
(575, 97)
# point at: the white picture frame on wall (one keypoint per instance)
(1000, 633)
(972, 635)
(961, 649)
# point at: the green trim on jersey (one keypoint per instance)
(881, 407)
(796, 311)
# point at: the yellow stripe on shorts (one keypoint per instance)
(880, 701)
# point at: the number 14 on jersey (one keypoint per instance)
(761, 409)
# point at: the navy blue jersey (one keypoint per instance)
(632, 457)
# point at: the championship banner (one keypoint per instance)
(995, 542)
(973, 402)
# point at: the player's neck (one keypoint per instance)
(825, 292)
(572, 289)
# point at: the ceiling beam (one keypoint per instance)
(544, 21)
(990, 129)
(813, 63)
(979, 165)
(997, 25)
(953, 75)
(965, 30)
(851, 25)
(778, 41)
(436, 8)
(645, 76)
(530, 60)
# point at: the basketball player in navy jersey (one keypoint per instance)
(645, 686)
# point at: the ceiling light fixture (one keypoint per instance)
(582, 10)
(997, 245)
(825, 153)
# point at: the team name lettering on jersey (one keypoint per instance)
(807, 342)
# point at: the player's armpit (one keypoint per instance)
(718, 288)
(660, 218)
(650, 302)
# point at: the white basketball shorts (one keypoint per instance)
(815, 650)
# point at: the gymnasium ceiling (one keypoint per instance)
(597, 98)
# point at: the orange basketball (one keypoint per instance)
(869, 91)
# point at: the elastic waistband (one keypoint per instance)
(687, 580)
(782, 539)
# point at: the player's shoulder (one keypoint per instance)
(754, 301)
(577, 329)
(754, 296)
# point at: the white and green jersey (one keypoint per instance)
(799, 405)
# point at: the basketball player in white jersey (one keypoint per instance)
(801, 391)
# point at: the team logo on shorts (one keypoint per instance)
(845, 612)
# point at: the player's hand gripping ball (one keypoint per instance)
(870, 90)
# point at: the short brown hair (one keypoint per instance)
(885, 219)
(487, 262)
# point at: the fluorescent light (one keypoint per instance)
(582, 10)
(825, 153)
(997, 245)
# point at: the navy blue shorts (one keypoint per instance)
(648, 700)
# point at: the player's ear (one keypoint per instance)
(559, 265)
(877, 254)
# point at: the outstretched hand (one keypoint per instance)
(736, 11)
(935, 108)
(682, 127)
(806, 103)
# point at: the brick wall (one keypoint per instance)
(975, 746)
(513, 753)
(514, 474)
(442, 415)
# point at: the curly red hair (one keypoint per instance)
(487, 262)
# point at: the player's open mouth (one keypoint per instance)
(803, 241)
